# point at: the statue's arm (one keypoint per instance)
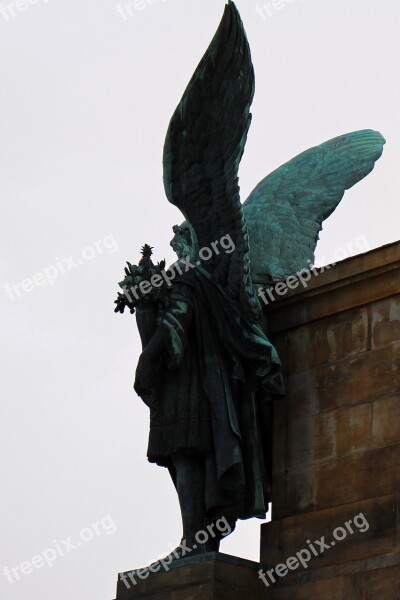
(175, 323)
(148, 364)
(168, 341)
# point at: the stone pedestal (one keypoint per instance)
(337, 435)
(213, 576)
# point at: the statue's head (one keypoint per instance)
(184, 241)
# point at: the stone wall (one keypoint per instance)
(337, 434)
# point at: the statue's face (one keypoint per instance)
(180, 243)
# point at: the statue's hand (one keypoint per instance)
(145, 374)
(148, 365)
(122, 302)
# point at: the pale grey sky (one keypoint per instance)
(86, 96)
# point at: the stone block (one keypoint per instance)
(280, 438)
(385, 321)
(343, 432)
(301, 489)
(368, 475)
(301, 442)
(301, 395)
(360, 379)
(376, 533)
(213, 576)
(327, 340)
(386, 421)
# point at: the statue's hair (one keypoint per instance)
(187, 232)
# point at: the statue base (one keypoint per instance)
(212, 576)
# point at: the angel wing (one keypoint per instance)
(284, 213)
(203, 149)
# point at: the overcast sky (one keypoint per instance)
(86, 95)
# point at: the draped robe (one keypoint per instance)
(212, 396)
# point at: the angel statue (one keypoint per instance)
(208, 371)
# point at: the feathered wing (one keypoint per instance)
(203, 149)
(284, 213)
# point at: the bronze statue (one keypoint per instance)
(208, 371)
